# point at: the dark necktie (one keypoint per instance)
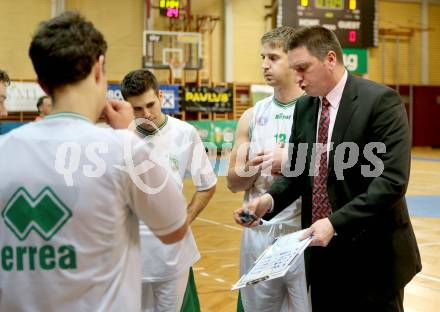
(321, 207)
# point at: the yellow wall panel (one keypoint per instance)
(402, 59)
(434, 44)
(248, 28)
(18, 21)
(215, 8)
(122, 25)
(121, 22)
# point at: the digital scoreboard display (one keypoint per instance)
(353, 21)
(169, 8)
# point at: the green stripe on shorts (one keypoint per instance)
(191, 299)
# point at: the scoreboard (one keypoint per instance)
(353, 21)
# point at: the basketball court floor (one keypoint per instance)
(218, 239)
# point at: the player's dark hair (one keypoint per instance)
(64, 49)
(137, 82)
(318, 40)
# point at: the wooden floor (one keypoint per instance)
(218, 239)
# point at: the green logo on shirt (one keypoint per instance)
(282, 116)
(45, 214)
(174, 162)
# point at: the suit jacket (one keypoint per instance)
(369, 214)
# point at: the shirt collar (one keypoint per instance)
(69, 115)
(335, 95)
(144, 132)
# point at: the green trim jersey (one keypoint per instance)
(271, 124)
(176, 144)
(71, 196)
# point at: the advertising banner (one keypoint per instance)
(114, 92)
(356, 60)
(23, 96)
(207, 99)
(219, 133)
(170, 104)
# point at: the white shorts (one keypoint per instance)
(288, 293)
(164, 296)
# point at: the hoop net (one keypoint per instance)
(176, 67)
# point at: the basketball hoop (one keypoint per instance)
(176, 67)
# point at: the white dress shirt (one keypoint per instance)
(334, 98)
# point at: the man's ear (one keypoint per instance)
(160, 95)
(332, 60)
(99, 71)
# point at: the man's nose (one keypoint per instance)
(265, 64)
(147, 113)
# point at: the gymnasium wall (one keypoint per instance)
(248, 27)
(434, 44)
(18, 20)
(393, 15)
(122, 24)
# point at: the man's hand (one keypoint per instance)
(119, 114)
(256, 163)
(322, 231)
(257, 207)
(273, 160)
(277, 159)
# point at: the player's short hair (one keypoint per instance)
(4, 77)
(318, 40)
(137, 82)
(40, 101)
(64, 49)
(277, 37)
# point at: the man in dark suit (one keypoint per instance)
(364, 249)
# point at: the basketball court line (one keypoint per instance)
(218, 250)
(236, 228)
(428, 277)
(431, 159)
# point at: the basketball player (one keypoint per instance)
(166, 268)
(261, 131)
(70, 204)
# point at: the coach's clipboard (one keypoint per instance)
(276, 260)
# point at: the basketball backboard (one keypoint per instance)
(161, 47)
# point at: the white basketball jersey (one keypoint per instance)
(176, 144)
(69, 235)
(271, 124)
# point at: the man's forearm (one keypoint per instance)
(237, 183)
(198, 202)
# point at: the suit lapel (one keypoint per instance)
(347, 107)
(312, 119)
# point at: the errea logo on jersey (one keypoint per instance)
(44, 215)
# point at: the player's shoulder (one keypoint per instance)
(246, 118)
(22, 131)
(264, 102)
(368, 87)
(114, 138)
(181, 126)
